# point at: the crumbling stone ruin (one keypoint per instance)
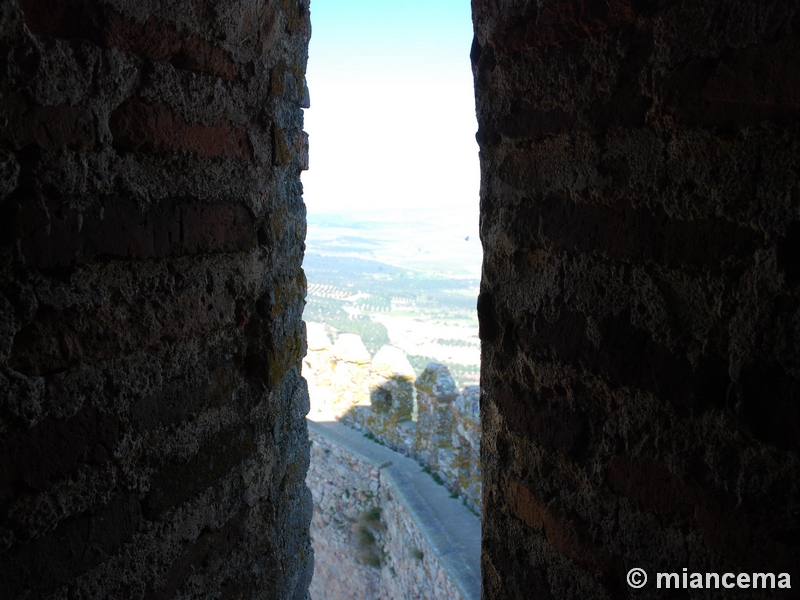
(639, 304)
(424, 417)
(446, 436)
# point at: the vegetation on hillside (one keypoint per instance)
(345, 293)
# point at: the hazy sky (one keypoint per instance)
(392, 117)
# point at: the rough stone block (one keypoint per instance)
(76, 545)
(546, 420)
(559, 22)
(155, 129)
(751, 85)
(176, 482)
(101, 24)
(53, 233)
(563, 532)
(48, 127)
(34, 460)
(624, 233)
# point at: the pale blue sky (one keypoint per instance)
(392, 118)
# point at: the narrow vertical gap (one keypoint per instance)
(393, 261)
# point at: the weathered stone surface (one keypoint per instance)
(74, 547)
(42, 455)
(390, 361)
(54, 234)
(347, 523)
(444, 435)
(350, 348)
(177, 482)
(436, 391)
(100, 23)
(48, 127)
(638, 383)
(391, 391)
(351, 373)
(155, 129)
(367, 542)
(152, 434)
(318, 370)
(9, 174)
(317, 338)
(465, 470)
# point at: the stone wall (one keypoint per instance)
(446, 438)
(639, 303)
(438, 426)
(412, 569)
(448, 432)
(152, 433)
(347, 527)
(366, 542)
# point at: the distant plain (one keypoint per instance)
(406, 278)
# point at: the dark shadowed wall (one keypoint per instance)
(152, 433)
(640, 304)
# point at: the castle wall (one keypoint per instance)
(377, 395)
(639, 302)
(346, 530)
(152, 433)
(413, 567)
(368, 542)
(452, 456)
